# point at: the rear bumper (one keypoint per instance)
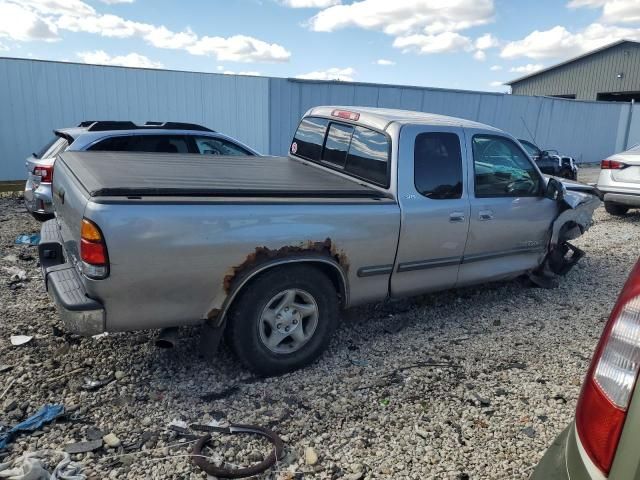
(553, 465)
(628, 199)
(37, 197)
(79, 313)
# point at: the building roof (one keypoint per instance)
(571, 60)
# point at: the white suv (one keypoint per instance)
(167, 137)
(619, 181)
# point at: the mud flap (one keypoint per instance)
(210, 337)
(563, 258)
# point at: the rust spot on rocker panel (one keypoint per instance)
(264, 254)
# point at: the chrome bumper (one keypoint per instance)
(79, 314)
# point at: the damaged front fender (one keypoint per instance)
(575, 218)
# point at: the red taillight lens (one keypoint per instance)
(93, 251)
(346, 115)
(606, 393)
(45, 172)
(612, 165)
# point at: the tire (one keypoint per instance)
(42, 217)
(566, 173)
(253, 332)
(615, 209)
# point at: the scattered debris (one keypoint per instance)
(94, 433)
(395, 325)
(111, 440)
(17, 340)
(31, 466)
(10, 258)
(529, 432)
(28, 239)
(92, 385)
(213, 469)
(119, 375)
(357, 362)
(5, 368)
(310, 456)
(83, 447)
(227, 392)
(100, 335)
(46, 414)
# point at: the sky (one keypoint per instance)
(460, 44)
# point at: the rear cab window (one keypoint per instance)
(353, 149)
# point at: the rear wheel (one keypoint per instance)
(566, 173)
(615, 209)
(283, 320)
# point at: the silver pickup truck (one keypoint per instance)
(369, 204)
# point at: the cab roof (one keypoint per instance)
(380, 118)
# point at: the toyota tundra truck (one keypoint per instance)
(369, 204)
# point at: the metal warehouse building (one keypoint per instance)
(611, 73)
(38, 96)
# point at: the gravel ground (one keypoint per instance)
(513, 360)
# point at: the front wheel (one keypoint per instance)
(283, 320)
(615, 209)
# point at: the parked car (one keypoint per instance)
(370, 203)
(601, 442)
(619, 180)
(550, 162)
(119, 136)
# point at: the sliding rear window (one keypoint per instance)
(358, 151)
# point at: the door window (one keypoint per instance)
(502, 169)
(437, 162)
(219, 146)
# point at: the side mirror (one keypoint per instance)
(555, 190)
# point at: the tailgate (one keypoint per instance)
(69, 202)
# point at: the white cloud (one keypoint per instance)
(528, 68)
(480, 55)
(100, 57)
(613, 11)
(486, 41)
(442, 42)
(249, 73)
(384, 62)
(495, 68)
(3, 48)
(113, 2)
(496, 84)
(309, 3)
(240, 48)
(402, 17)
(24, 20)
(558, 42)
(343, 74)
(23, 24)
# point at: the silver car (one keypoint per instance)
(168, 137)
(620, 181)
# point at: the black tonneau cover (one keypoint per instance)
(108, 174)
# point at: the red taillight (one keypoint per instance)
(612, 165)
(346, 115)
(45, 172)
(93, 251)
(607, 390)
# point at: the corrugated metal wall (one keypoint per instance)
(37, 96)
(588, 76)
(588, 131)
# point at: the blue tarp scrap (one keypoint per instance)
(46, 414)
(30, 239)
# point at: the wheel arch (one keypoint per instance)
(330, 267)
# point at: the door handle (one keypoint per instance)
(485, 214)
(456, 217)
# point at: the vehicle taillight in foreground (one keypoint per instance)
(612, 165)
(606, 393)
(45, 172)
(93, 251)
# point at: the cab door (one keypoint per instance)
(434, 209)
(510, 216)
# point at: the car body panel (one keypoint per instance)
(37, 194)
(178, 260)
(622, 186)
